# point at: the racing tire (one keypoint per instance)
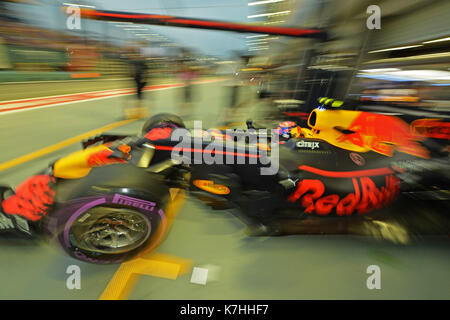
(103, 230)
(162, 118)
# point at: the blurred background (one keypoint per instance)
(406, 61)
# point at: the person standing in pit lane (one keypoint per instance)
(186, 74)
(139, 73)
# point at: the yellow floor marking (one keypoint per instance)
(183, 263)
(148, 263)
(60, 145)
(236, 124)
(175, 206)
(171, 212)
(230, 125)
(126, 277)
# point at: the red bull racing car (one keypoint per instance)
(341, 172)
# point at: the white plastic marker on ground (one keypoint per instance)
(205, 274)
(199, 276)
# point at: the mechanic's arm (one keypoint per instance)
(34, 197)
(80, 163)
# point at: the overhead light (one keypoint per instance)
(257, 40)
(258, 36)
(437, 40)
(411, 75)
(256, 3)
(273, 22)
(424, 74)
(330, 67)
(269, 14)
(396, 48)
(257, 43)
(381, 70)
(416, 57)
(77, 5)
(131, 25)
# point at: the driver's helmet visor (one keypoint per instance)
(285, 128)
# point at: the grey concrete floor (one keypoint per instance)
(292, 267)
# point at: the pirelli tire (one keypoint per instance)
(101, 230)
(110, 216)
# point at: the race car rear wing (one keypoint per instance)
(166, 20)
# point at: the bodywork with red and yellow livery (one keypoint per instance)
(361, 131)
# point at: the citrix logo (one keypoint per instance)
(307, 144)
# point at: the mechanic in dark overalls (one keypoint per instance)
(139, 74)
(186, 74)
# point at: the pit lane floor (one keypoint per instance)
(291, 267)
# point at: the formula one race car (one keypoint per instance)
(107, 202)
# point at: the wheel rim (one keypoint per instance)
(110, 230)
